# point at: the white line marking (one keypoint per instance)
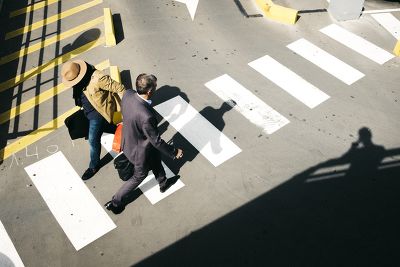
(381, 11)
(191, 6)
(204, 136)
(358, 44)
(77, 211)
(389, 22)
(289, 81)
(249, 105)
(8, 254)
(149, 186)
(151, 189)
(107, 141)
(326, 61)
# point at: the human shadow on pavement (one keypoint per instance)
(341, 212)
(213, 115)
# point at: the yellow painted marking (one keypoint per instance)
(115, 75)
(276, 12)
(50, 41)
(36, 135)
(396, 49)
(49, 65)
(52, 19)
(32, 7)
(37, 100)
(109, 28)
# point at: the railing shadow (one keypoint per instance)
(350, 220)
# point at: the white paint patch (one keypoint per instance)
(326, 61)
(249, 105)
(191, 6)
(8, 254)
(151, 189)
(389, 22)
(107, 141)
(205, 137)
(381, 11)
(358, 44)
(289, 81)
(77, 211)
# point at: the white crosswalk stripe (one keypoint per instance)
(289, 81)
(205, 137)
(249, 105)
(357, 43)
(75, 208)
(8, 254)
(326, 61)
(389, 22)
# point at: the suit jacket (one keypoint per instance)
(140, 135)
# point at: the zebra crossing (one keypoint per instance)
(77, 222)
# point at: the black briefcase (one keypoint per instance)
(78, 125)
(123, 166)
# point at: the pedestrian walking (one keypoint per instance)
(142, 143)
(99, 96)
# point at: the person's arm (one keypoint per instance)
(107, 83)
(150, 130)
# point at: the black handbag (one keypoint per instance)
(123, 166)
(78, 125)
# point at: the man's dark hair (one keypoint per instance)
(145, 83)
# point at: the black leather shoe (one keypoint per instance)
(168, 183)
(116, 210)
(89, 173)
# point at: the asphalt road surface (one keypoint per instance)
(290, 133)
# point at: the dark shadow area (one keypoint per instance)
(132, 196)
(312, 11)
(126, 79)
(215, 117)
(10, 69)
(118, 28)
(85, 38)
(244, 12)
(316, 218)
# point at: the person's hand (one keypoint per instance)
(179, 153)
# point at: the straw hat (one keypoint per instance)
(72, 72)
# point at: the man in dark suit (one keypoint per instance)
(141, 141)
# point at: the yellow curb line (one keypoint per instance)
(32, 8)
(49, 65)
(396, 49)
(52, 40)
(109, 28)
(52, 19)
(35, 135)
(37, 100)
(277, 12)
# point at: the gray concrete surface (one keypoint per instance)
(256, 209)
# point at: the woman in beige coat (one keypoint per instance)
(99, 96)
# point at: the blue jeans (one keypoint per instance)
(96, 127)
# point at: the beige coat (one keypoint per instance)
(104, 94)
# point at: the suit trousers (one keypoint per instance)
(139, 174)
